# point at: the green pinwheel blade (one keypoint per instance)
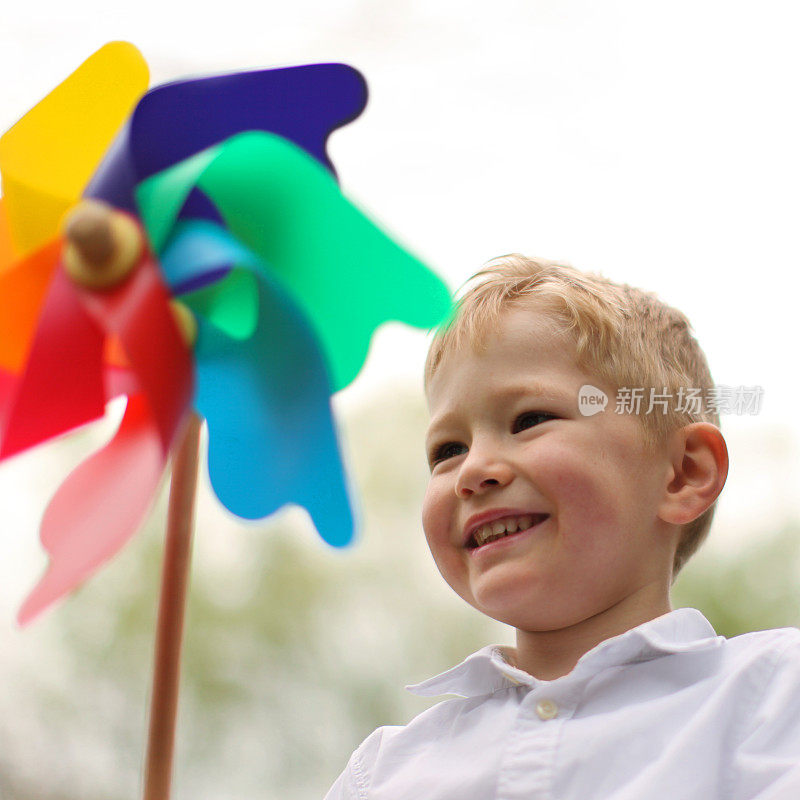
(231, 303)
(343, 271)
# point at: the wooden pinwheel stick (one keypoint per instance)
(102, 248)
(169, 636)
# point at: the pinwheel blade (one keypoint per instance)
(231, 303)
(7, 382)
(177, 120)
(61, 385)
(272, 439)
(346, 275)
(7, 253)
(23, 289)
(99, 507)
(47, 158)
(138, 316)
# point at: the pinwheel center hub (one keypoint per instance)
(89, 230)
(103, 245)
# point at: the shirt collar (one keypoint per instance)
(684, 630)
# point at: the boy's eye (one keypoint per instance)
(529, 419)
(445, 451)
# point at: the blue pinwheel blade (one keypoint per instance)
(266, 398)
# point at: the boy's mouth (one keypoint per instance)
(485, 532)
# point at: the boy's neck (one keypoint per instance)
(548, 655)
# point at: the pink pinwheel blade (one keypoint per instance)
(99, 507)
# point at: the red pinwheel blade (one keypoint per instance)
(139, 321)
(61, 385)
(7, 382)
(99, 507)
(64, 383)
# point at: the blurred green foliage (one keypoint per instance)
(752, 588)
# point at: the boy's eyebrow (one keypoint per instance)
(535, 390)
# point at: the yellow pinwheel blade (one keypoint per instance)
(47, 158)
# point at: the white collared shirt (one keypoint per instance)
(666, 710)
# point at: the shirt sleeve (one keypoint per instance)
(767, 760)
(353, 783)
(344, 788)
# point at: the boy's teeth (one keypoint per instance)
(501, 527)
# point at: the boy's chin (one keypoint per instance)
(524, 615)
(540, 621)
(527, 613)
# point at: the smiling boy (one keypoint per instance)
(571, 527)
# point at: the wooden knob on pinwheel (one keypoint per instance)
(102, 245)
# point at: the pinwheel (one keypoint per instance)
(210, 267)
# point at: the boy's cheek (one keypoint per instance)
(436, 515)
(570, 482)
(450, 563)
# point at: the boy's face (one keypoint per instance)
(507, 443)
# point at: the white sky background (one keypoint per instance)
(654, 142)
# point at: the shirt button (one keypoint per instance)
(546, 709)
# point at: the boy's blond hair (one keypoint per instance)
(627, 337)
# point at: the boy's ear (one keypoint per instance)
(699, 466)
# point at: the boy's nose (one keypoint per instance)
(480, 472)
